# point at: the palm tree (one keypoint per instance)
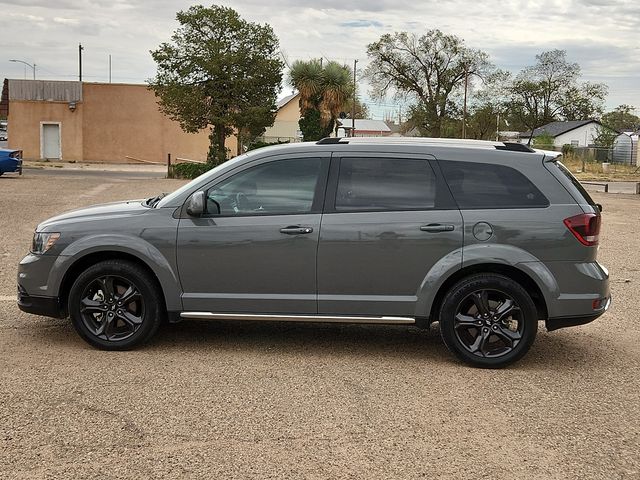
(337, 90)
(307, 78)
(324, 92)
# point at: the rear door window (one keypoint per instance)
(385, 184)
(482, 185)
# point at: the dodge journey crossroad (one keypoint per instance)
(485, 238)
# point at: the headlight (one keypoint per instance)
(43, 241)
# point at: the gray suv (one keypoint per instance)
(485, 238)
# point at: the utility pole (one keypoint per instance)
(353, 108)
(109, 68)
(464, 108)
(80, 48)
(498, 128)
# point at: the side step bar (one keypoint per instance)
(299, 318)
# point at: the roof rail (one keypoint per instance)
(427, 141)
(331, 141)
(515, 147)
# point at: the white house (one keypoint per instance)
(579, 133)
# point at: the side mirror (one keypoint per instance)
(195, 204)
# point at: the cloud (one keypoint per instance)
(361, 24)
(602, 35)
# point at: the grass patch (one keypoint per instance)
(593, 170)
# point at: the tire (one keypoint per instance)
(488, 320)
(116, 305)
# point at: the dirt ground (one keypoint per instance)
(229, 400)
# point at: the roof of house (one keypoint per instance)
(283, 101)
(365, 125)
(558, 128)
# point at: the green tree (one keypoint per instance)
(429, 69)
(550, 91)
(220, 72)
(622, 118)
(604, 137)
(488, 104)
(325, 90)
(362, 110)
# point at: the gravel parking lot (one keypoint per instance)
(230, 400)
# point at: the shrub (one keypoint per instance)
(260, 144)
(544, 141)
(189, 170)
(567, 149)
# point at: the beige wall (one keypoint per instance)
(286, 122)
(25, 118)
(116, 123)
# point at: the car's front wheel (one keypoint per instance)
(488, 320)
(115, 305)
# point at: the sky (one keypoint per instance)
(603, 36)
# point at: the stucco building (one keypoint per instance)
(96, 122)
(285, 127)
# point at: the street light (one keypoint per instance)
(27, 64)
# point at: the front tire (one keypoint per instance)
(488, 320)
(116, 305)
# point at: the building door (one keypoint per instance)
(51, 141)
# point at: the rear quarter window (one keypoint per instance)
(483, 185)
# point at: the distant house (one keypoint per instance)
(363, 127)
(579, 133)
(285, 127)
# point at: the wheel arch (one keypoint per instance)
(91, 258)
(510, 271)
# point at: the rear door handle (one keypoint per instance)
(437, 227)
(296, 230)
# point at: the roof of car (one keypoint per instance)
(426, 141)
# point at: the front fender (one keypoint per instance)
(484, 254)
(132, 245)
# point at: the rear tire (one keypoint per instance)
(116, 305)
(488, 320)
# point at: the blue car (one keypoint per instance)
(10, 161)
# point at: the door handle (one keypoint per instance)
(437, 227)
(296, 230)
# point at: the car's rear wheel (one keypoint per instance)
(488, 320)
(116, 305)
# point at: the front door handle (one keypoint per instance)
(296, 230)
(437, 227)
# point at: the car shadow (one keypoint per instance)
(549, 352)
(309, 338)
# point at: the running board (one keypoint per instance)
(299, 318)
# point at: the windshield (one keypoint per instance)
(201, 179)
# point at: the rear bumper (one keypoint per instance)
(564, 322)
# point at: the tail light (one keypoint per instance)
(585, 227)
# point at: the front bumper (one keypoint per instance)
(36, 292)
(45, 306)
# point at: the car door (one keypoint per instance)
(254, 250)
(388, 220)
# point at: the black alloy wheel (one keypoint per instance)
(488, 323)
(112, 308)
(116, 305)
(488, 320)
